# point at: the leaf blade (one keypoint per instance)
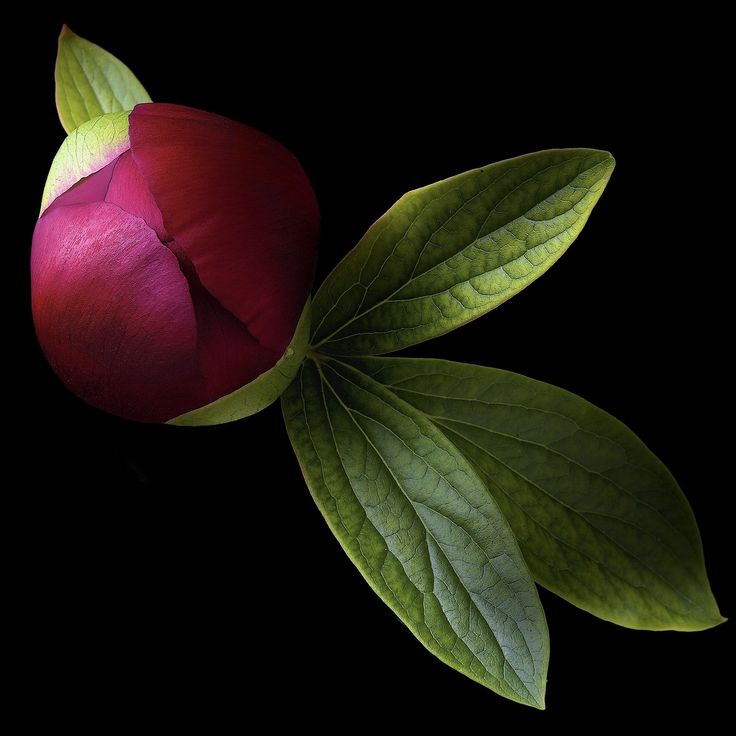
(347, 433)
(91, 82)
(600, 520)
(450, 252)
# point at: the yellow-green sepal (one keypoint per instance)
(87, 149)
(260, 393)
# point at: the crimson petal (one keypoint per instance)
(229, 356)
(129, 191)
(240, 207)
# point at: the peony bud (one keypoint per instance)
(170, 266)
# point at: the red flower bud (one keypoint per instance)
(176, 273)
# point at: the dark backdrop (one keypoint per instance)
(189, 570)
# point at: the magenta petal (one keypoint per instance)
(90, 189)
(113, 313)
(129, 191)
(240, 207)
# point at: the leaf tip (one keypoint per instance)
(607, 160)
(717, 619)
(603, 158)
(66, 32)
(603, 166)
(709, 617)
(536, 692)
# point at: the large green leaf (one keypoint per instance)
(86, 149)
(599, 518)
(416, 520)
(91, 82)
(448, 253)
(258, 394)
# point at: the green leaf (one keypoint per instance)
(91, 82)
(87, 149)
(258, 394)
(599, 518)
(418, 523)
(450, 252)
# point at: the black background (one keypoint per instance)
(188, 571)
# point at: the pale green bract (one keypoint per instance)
(87, 149)
(91, 82)
(599, 518)
(417, 521)
(259, 393)
(450, 252)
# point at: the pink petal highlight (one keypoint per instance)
(129, 191)
(91, 189)
(113, 313)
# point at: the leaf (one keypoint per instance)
(450, 252)
(87, 149)
(599, 518)
(258, 394)
(91, 82)
(417, 522)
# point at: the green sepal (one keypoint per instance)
(87, 149)
(260, 393)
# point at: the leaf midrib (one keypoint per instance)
(92, 62)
